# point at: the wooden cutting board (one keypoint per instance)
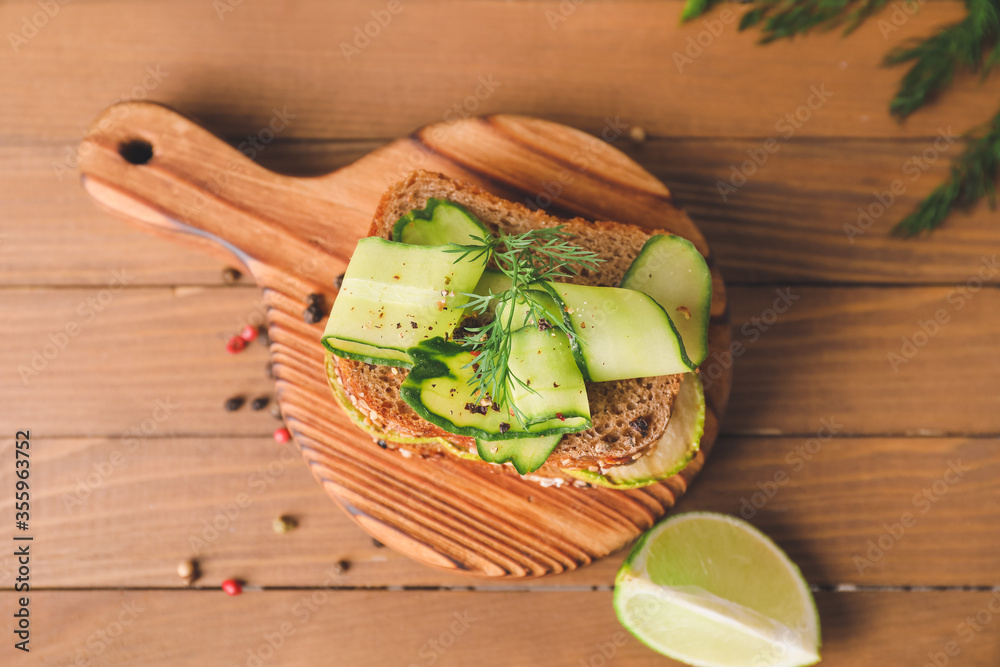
(158, 170)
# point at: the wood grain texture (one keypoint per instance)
(457, 628)
(115, 513)
(607, 59)
(825, 357)
(785, 225)
(296, 235)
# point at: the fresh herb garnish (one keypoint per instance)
(972, 44)
(529, 260)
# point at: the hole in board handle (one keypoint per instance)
(136, 151)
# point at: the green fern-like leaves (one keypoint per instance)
(972, 44)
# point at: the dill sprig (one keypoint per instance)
(969, 44)
(973, 176)
(972, 44)
(529, 260)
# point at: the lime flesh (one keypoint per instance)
(713, 591)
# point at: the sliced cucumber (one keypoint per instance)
(526, 454)
(395, 295)
(359, 419)
(369, 354)
(438, 389)
(440, 222)
(621, 333)
(677, 446)
(672, 271)
(544, 361)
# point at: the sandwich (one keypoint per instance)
(558, 349)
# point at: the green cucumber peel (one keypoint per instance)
(525, 454)
(441, 366)
(671, 271)
(440, 222)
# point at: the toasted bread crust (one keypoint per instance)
(627, 416)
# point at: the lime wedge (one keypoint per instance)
(713, 591)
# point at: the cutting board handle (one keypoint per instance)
(156, 169)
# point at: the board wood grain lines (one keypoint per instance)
(155, 169)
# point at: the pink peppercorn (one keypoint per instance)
(249, 333)
(232, 587)
(235, 344)
(282, 435)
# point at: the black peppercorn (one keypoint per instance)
(230, 275)
(313, 314)
(235, 403)
(340, 281)
(260, 403)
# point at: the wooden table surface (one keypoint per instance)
(862, 429)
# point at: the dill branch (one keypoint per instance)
(528, 260)
(972, 44)
(973, 176)
(936, 59)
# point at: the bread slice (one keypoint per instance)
(627, 416)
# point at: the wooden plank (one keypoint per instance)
(826, 357)
(820, 211)
(579, 71)
(917, 361)
(787, 223)
(124, 513)
(458, 628)
(99, 361)
(51, 233)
